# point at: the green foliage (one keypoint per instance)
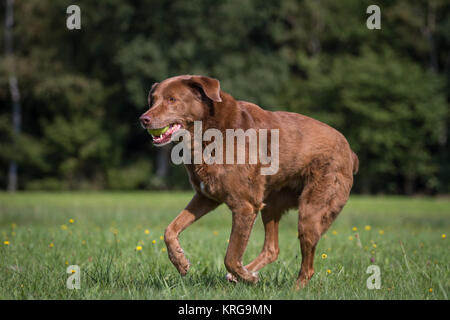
(135, 176)
(142, 63)
(382, 103)
(82, 91)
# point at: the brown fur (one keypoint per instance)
(316, 167)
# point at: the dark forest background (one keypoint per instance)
(82, 91)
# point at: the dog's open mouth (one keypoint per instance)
(163, 136)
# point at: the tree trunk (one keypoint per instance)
(13, 88)
(408, 187)
(162, 161)
(429, 30)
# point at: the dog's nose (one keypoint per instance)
(145, 120)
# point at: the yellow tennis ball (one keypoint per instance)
(157, 132)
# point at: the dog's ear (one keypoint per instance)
(210, 86)
(149, 98)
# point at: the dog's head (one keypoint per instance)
(176, 103)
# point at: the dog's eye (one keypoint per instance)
(171, 99)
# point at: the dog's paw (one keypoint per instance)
(184, 267)
(179, 260)
(231, 278)
(254, 277)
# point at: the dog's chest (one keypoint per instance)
(208, 183)
(205, 192)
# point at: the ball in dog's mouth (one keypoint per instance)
(163, 136)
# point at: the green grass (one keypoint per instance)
(412, 254)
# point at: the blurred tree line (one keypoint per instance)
(82, 91)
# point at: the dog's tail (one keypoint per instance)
(355, 163)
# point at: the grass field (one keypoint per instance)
(406, 240)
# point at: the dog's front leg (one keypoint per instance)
(243, 219)
(198, 207)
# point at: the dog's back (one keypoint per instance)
(302, 141)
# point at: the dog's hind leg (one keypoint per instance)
(320, 203)
(270, 250)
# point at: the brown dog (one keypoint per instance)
(316, 167)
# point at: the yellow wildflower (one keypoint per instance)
(381, 232)
(6, 243)
(354, 229)
(444, 236)
(324, 256)
(367, 228)
(147, 231)
(51, 245)
(138, 248)
(154, 241)
(71, 221)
